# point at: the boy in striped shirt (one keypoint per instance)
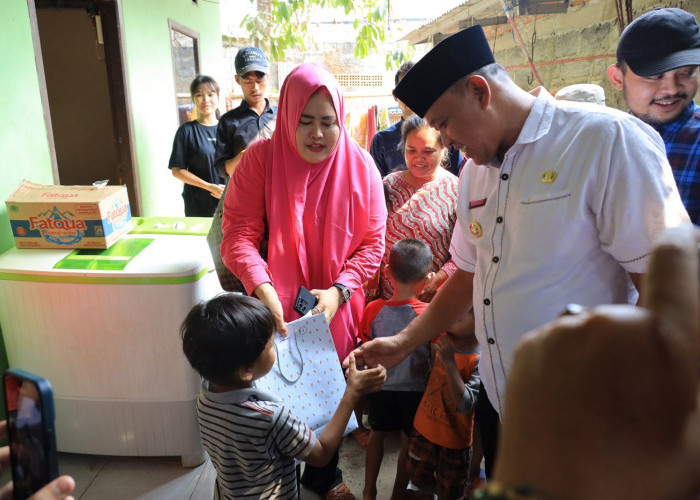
(251, 437)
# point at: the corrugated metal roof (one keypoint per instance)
(449, 22)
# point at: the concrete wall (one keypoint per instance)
(575, 47)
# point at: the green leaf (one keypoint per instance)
(283, 11)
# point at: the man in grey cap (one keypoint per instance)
(657, 70)
(253, 118)
(558, 204)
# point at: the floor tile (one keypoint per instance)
(83, 468)
(145, 478)
(163, 478)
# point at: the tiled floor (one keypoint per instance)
(147, 478)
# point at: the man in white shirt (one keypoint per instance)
(558, 203)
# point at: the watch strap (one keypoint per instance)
(344, 291)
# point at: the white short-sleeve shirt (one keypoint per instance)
(572, 209)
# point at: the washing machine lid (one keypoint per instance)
(148, 259)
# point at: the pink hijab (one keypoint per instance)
(338, 187)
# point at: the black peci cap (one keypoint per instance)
(659, 41)
(447, 62)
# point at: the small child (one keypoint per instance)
(439, 451)
(393, 408)
(251, 437)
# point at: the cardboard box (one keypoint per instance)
(68, 216)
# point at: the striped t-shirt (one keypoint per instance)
(252, 441)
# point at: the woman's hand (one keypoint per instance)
(268, 295)
(216, 190)
(328, 302)
(431, 288)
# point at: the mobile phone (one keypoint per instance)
(31, 432)
(305, 301)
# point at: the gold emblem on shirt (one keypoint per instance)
(549, 176)
(475, 228)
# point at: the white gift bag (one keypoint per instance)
(307, 374)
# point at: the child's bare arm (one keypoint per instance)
(455, 383)
(359, 383)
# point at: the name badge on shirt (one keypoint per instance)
(477, 203)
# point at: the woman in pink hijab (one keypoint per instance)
(321, 198)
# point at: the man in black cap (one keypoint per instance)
(252, 119)
(657, 70)
(558, 204)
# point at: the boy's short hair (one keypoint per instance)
(224, 334)
(410, 260)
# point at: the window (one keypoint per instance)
(185, 50)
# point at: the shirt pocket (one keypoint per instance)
(546, 198)
(540, 223)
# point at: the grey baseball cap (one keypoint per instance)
(251, 59)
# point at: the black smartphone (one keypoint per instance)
(30, 430)
(305, 301)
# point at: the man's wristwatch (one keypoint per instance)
(344, 291)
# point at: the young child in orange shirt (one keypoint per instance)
(440, 447)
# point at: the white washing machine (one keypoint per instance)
(103, 327)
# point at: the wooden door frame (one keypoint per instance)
(120, 103)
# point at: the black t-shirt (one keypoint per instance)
(193, 149)
(238, 128)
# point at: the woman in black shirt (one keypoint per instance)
(192, 159)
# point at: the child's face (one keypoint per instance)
(264, 363)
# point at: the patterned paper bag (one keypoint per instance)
(307, 374)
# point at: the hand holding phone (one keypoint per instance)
(305, 301)
(30, 427)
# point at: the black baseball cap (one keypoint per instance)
(251, 59)
(447, 62)
(659, 41)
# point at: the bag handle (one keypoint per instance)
(301, 358)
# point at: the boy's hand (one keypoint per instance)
(361, 382)
(445, 349)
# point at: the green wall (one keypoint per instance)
(24, 142)
(23, 135)
(152, 89)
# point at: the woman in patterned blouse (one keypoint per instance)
(421, 202)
